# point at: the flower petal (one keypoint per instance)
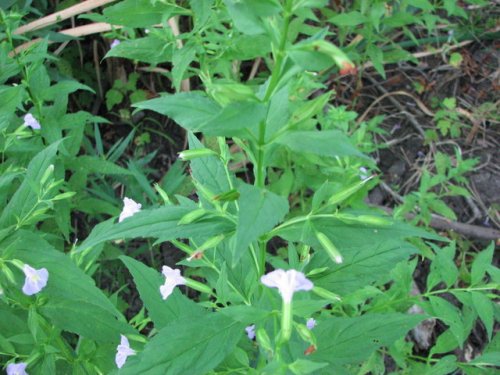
(130, 207)
(123, 351)
(17, 369)
(31, 121)
(250, 331)
(35, 280)
(287, 282)
(311, 323)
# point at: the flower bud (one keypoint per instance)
(196, 285)
(192, 216)
(264, 340)
(347, 192)
(329, 247)
(326, 294)
(196, 153)
(228, 196)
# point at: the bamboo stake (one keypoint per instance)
(62, 15)
(93, 28)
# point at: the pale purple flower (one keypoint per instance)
(130, 207)
(35, 280)
(311, 323)
(31, 121)
(17, 369)
(123, 351)
(287, 282)
(250, 331)
(114, 43)
(172, 279)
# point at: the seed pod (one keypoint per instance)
(196, 153)
(329, 247)
(192, 216)
(326, 294)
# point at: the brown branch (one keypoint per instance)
(442, 223)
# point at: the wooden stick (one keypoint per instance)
(93, 28)
(442, 223)
(62, 15)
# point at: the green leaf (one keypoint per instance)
(159, 223)
(187, 346)
(437, 205)
(208, 171)
(151, 49)
(74, 303)
(303, 366)
(343, 341)
(236, 119)
(377, 58)
(181, 59)
(246, 14)
(260, 210)
(348, 19)
(422, 4)
(138, 13)
(25, 198)
(450, 315)
(481, 263)
(353, 273)
(10, 99)
(330, 143)
(148, 283)
(443, 267)
(190, 110)
(93, 164)
(484, 308)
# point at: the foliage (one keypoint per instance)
(302, 208)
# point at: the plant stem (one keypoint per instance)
(260, 169)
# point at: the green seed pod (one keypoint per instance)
(196, 285)
(196, 153)
(329, 247)
(228, 196)
(326, 294)
(305, 334)
(264, 340)
(346, 193)
(192, 216)
(211, 242)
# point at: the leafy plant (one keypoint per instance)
(284, 267)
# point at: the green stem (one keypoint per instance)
(260, 169)
(286, 322)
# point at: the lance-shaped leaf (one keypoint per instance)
(343, 341)
(161, 223)
(188, 346)
(324, 143)
(147, 281)
(260, 210)
(190, 109)
(73, 303)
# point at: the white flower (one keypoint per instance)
(287, 282)
(172, 279)
(363, 173)
(250, 331)
(31, 121)
(35, 280)
(17, 369)
(130, 207)
(311, 323)
(123, 351)
(114, 43)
